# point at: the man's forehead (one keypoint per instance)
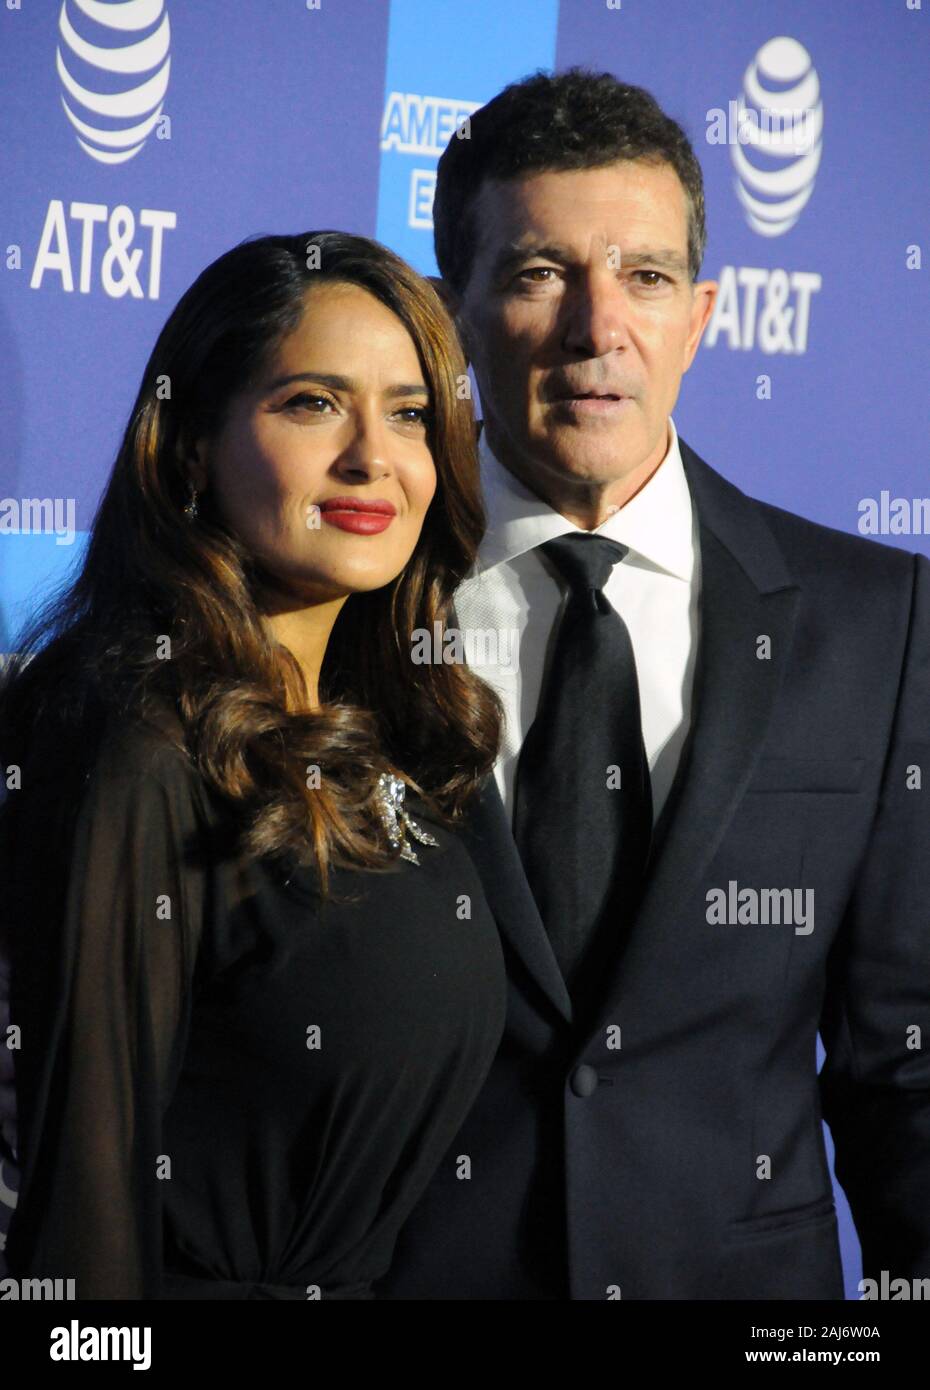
(603, 182)
(640, 207)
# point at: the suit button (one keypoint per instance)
(584, 1081)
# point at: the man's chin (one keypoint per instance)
(596, 457)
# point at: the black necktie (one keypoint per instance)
(582, 837)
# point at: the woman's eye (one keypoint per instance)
(319, 405)
(310, 401)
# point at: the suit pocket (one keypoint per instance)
(790, 1219)
(807, 775)
(787, 1255)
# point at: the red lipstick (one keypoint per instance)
(363, 516)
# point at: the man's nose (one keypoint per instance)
(596, 316)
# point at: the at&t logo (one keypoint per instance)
(114, 87)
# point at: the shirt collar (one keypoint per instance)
(656, 524)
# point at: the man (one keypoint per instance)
(706, 836)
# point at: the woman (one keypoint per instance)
(256, 988)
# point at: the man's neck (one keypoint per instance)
(585, 504)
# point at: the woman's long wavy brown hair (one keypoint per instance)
(94, 650)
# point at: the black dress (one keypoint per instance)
(223, 1090)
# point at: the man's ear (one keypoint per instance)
(703, 299)
(446, 293)
(452, 302)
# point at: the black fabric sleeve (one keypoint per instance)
(875, 1081)
(102, 975)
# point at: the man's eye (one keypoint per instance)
(414, 414)
(656, 274)
(536, 270)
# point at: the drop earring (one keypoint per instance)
(190, 510)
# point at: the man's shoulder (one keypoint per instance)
(812, 549)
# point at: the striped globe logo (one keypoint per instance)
(113, 65)
(780, 144)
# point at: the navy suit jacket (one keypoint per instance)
(669, 1145)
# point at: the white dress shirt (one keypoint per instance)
(507, 608)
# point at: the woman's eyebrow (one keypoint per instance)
(346, 383)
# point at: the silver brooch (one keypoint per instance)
(390, 794)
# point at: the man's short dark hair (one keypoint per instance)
(574, 119)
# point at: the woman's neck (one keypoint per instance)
(305, 632)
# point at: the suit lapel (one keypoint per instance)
(746, 591)
(490, 841)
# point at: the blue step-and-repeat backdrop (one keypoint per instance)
(141, 138)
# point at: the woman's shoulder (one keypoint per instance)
(141, 777)
(144, 746)
(153, 734)
(111, 753)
